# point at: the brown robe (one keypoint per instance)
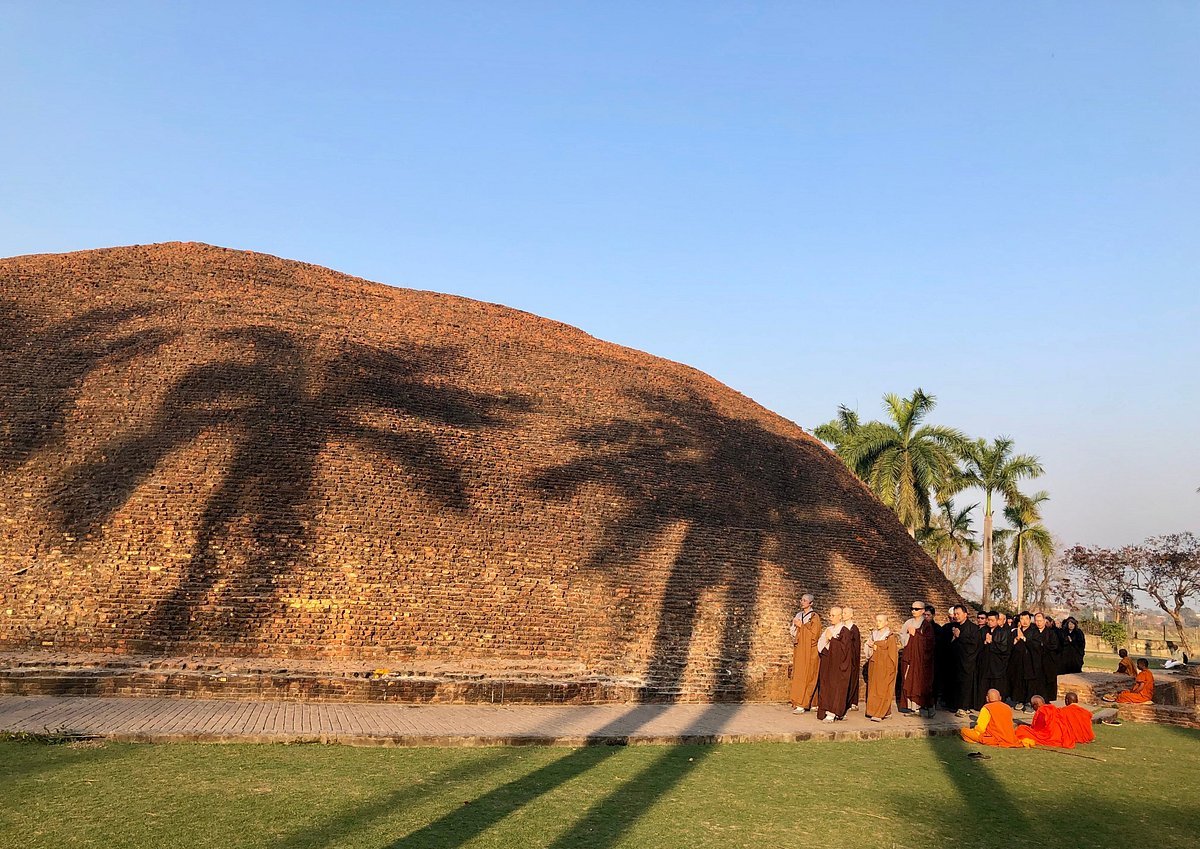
(916, 667)
(805, 663)
(839, 663)
(881, 676)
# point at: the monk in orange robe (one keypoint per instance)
(1143, 687)
(994, 726)
(805, 630)
(1126, 667)
(1047, 728)
(1077, 720)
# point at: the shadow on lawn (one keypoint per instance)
(21, 762)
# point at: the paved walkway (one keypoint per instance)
(150, 719)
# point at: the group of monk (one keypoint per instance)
(983, 663)
(926, 665)
(1062, 727)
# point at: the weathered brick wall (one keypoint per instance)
(215, 452)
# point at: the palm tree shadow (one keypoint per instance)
(61, 354)
(279, 403)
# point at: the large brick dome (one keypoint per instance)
(207, 451)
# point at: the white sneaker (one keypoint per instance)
(829, 717)
(853, 707)
(798, 710)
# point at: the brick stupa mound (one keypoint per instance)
(219, 454)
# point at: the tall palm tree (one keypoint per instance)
(996, 470)
(1028, 534)
(903, 460)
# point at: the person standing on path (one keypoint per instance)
(993, 656)
(855, 637)
(916, 663)
(883, 659)
(833, 685)
(964, 649)
(805, 630)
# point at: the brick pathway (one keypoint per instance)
(148, 719)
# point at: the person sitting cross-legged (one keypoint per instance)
(1143, 687)
(1077, 720)
(1047, 728)
(994, 726)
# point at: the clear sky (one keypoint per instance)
(815, 202)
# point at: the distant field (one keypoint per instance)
(887, 793)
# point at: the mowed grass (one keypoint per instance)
(888, 793)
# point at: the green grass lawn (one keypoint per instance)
(890, 793)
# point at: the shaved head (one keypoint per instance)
(993, 695)
(1037, 701)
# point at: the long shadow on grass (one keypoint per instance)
(360, 817)
(603, 823)
(21, 762)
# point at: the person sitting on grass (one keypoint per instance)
(1179, 658)
(1047, 729)
(994, 727)
(1077, 720)
(1125, 667)
(1143, 687)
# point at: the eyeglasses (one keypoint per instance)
(918, 608)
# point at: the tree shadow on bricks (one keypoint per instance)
(268, 414)
(44, 364)
(738, 495)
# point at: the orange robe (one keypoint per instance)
(1126, 667)
(805, 663)
(1047, 730)
(881, 676)
(1142, 692)
(993, 728)
(1078, 721)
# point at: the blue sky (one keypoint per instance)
(816, 203)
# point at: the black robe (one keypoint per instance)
(993, 661)
(838, 666)
(1025, 664)
(1049, 645)
(964, 653)
(1074, 645)
(855, 637)
(943, 686)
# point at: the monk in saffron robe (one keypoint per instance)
(806, 630)
(994, 727)
(1143, 687)
(1078, 720)
(917, 644)
(833, 684)
(1047, 728)
(1126, 667)
(883, 659)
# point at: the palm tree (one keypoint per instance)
(840, 433)
(903, 460)
(950, 539)
(996, 470)
(1028, 534)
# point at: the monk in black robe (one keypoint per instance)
(1074, 646)
(837, 667)
(942, 673)
(855, 637)
(1050, 646)
(993, 656)
(964, 651)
